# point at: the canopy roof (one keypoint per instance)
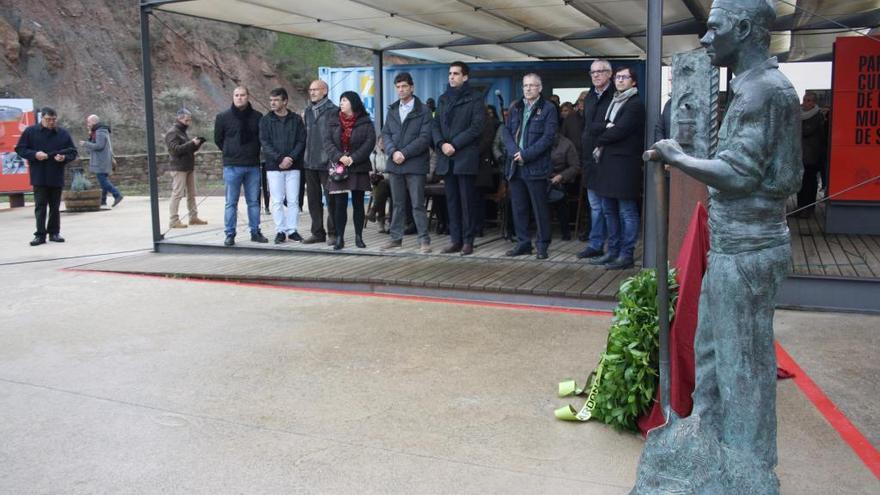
(523, 30)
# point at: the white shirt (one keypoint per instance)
(405, 108)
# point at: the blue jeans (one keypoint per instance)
(622, 221)
(107, 187)
(597, 221)
(234, 177)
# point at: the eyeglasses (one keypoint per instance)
(531, 85)
(622, 77)
(598, 72)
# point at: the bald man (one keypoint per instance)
(319, 109)
(101, 157)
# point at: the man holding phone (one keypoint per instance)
(181, 155)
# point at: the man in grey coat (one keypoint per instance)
(101, 157)
(407, 138)
(315, 163)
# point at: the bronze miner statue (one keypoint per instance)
(728, 444)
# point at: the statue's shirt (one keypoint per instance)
(759, 140)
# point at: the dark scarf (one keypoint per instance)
(452, 97)
(94, 130)
(347, 123)
(245, 133)
(180, 125)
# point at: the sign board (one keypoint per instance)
(15, 116)
(855, 119)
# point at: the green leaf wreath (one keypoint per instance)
(630, 361)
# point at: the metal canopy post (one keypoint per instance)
(652, 95)
(378, 90)
(148, 113)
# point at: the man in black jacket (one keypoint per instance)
(595, 106)
(237, 134)
(458, 125)
(283, 137)
(47, 148)
(407, 139)
(316, 163)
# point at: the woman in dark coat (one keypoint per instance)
(618, 181)
(349, 141)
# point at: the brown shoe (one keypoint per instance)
(424, 248)
(331, 240)
(467, 249)
(197, 221)
(392, 244)
(312, 239)
(178, 225)
(452, 248)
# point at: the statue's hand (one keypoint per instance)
(669, 150)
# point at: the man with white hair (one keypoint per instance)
(181, 164)
(101, 157)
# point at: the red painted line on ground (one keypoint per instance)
(847, 431)
(342, 292)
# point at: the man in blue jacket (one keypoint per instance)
(47, 148)
(458, 125)
(407, 138)
(528, 137)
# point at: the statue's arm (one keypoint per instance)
(714, 172)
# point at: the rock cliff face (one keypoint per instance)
(83, 57)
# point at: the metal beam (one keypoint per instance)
(653, 97)
(378, 90)
(147, 69)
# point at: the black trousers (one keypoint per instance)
(340, 212)
(809, 187)
(316, 190)
(45, 196)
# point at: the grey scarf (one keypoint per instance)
(808, 114)
(611, 114)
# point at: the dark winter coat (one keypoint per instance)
(282, 137)
(540, 131)
(181, 149)
(412, 137)
(814, 142)
(459, 124)
(315, 117)
(573, 128)
(363, 140)
(594, 124)
(619, 171)
(227, 136)
(565, 159)
(48, 172)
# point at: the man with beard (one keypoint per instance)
(316, 164)
(237, 134)
(458, 125)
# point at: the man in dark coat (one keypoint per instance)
(316, 163)
(283, 139)
(618, 182)
(458, 125)
(237, 134)
(814, 145)
(407, 139)
(528, 136)
(595, 106)
(47, 148)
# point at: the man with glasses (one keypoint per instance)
(595, 105)
(528, 138)
(319, 109)
(47, 148)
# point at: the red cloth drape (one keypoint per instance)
(691, 265)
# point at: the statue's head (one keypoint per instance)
(735, 24)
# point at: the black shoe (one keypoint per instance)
(117, 200)
(230, 240)
(519, 251)
(359, 242)
(38, 240)
(589, 252)
(331, 240)
(280, 237)
(620, 264)
(601, 260)
(56, 238)
(452, 248)
(294, 236)
(542, 255)
(314, 239)
(258, 237)
(566, 237)
(339, 244)
(467, 249)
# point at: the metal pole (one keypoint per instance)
(148, 113)
(658, 202)
(378, 89)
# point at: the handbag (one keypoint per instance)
(338, 172)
